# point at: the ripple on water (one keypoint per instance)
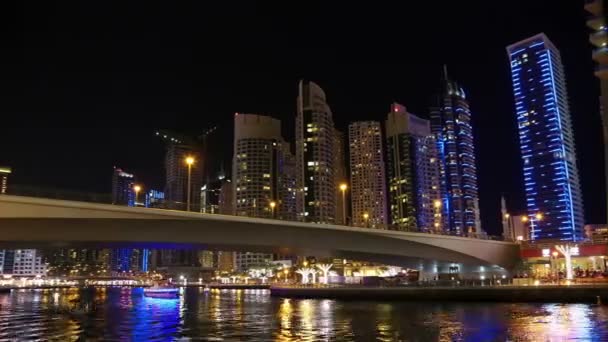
(125, 314)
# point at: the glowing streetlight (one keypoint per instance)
(539, 216)
(273, 204)
(507, 216)
(189, 162)
(137, 189)
(366, 218)
(524, 219)
(343, 188)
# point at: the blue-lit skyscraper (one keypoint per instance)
(451, 126)
(546, 140)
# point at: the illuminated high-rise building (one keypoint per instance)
(546, 140)
(263, 170)
(22, 263)
(316, 196)
(263, 175)
(413, 172)
(367, 174)
(599, 38)
(178, 148)
(122, 188)
(451, 126)
(4, 173)
(122, 194)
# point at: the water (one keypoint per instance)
(119, 314)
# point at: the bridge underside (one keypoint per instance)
(285, 239)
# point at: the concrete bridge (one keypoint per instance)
(27, 222)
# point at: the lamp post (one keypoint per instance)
(273, 204)
(366, 218)
(189, 162)
(343, 188)
(137, 189)
(536, 218)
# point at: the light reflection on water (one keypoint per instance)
(125, 314)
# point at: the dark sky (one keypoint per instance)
(83, 87)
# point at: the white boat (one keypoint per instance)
(161, 292)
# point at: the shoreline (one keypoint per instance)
(510, 294)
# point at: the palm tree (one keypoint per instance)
(325, 269)
(305, 272)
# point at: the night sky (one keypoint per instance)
(84, 88)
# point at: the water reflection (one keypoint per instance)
(125, 314)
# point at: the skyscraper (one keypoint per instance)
(4, 173)
(176, 172)
(367, 174)
(316, 196)
(262, 179)
(123, 193)
(413, 172)
(451, 125)
(599, 38)
(546, 139)
(178, 148)
(261, 167)
(122, 188)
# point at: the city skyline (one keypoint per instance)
(355, 92)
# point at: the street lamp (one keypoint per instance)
(137, 189)
(366, 218)
(343, 188)
(273, 204)
(189, 162)
(286, 271)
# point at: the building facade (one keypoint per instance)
(451, 126)
(340, 177)
(122, 188)
(599, 39)
(22, 263)
(413, 173)
(367, 174)
(263, 175)
(4, 173)
(176, 173)
(546, 140)
(316, 196)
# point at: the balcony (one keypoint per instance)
(600, 55)
(594, 6)
(599, 38)
(601, 71)
(597, 23)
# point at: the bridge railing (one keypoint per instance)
(60, 194)
(106, 198)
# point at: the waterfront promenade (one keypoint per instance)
(507, 293)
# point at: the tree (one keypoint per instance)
(325, 269)
(305, 273)
(566, 251)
